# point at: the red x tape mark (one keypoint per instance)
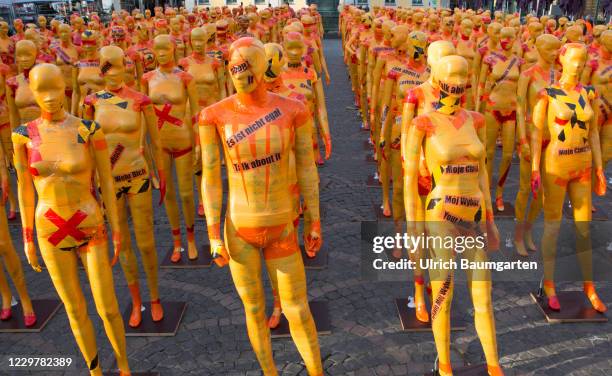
(66, 228)
(164, 116)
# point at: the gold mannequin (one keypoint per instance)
(390, 63)
(594, 48)
(499, 74)
(119, 110)
(308, 84)
(56, 157)
(542, 74)
(530, 54)
(7, 46)
(314, 42)
(574, 130)
(9, 258)
(178, 38)
(450, 127)
(133, 63)
(22, 104)
(259, 213)
(209, 74)
(491, 43)
(172, 90)
(86, 74)
(66, 55)
(466, 47)
(5, 137)
(398, 81)
(419, 101)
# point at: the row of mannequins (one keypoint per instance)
(439, 90)
(95, 117)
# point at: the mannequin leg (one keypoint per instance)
(184, 174)
(171, 206)
(198, 177)
(507, 128)
(492, 132)
(520, 206)
(100, 275)
(5, 291)
(15, 270)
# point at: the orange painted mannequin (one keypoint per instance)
(78, 28)
(599, 74)
(174, 96)
(177, 36)
(56, 157)
(9, 258)
(66, 55)
(433, 28)
(133, 64)
(447, 29)
(376, 51)
(86, 74)
(305, 81)
(542, 74)
(450, 127)
(209, 74)
(268, 29)
(124, 114)
(22, 105)
(499, 74)
(595, 47)
(260, 213)
(361, 50)
(491, 44)
(5, 137)
(466, 47)
(389, 63)
(315, 47)
(398, 81)
(350, 52)
(7, 46)
(19, 30)
(573, 152)
(530, 54)
(573, 34)
(143, 48)
(419, 101)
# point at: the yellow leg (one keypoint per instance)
(289, 272)
(5, 136)
(492, 131)
(13, 266)
(127, 259)
(384, 161)
(398, 186)
(100, 275)
(141, 208)
(62, 267)
(508, 129)
(170, 203)
(184, 174)
(245, 266)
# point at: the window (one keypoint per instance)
(231, 2)
(260, 1)
(362, 2)
(389, 2)
(203, 2)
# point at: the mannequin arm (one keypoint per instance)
(521, 112)
(594, 140)
(411, 151)
(491, 228)
(483, 92)
(13, 112)
(221, 82)
(376, 75)
(212, 186)
(322, 118)
(385, 117)
(76, 91)
(369, 71)
(323, 62)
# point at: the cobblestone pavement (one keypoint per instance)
(366, 334)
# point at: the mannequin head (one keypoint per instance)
(175, 25)
(597, 31)
(247, 64)
(211, 33)
(573, 34)
(562, 22)
(606, 41)
(64, 33)
(77, 23)
(399, 36)
(438, 50)
(548, 47)
(467, 27)
(90, 42)
(112, 65)
(418, 18)
(551, 25)
(573, 56)
(276, 61)
(507, 36)
(493, 31)
(451, 77)
(433, 23)
(309, 23)
(253, 19)
(447, 25)
(387, 26)
(18, 25)
(535, 29)
(417, 42)
(477, 21)
(42, 22)
(294, 47)
(48, 85)
(34, 36)
(142, 32)
(117, 35)
(222, 27)
(198, 40)
(25, 55)
(366, 20)
(163, 48)
(4, 28)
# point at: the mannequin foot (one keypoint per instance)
(29, 319)
(589, 290)
(551, 294)
(529, 239)
(5, 314)
(157, 311)
(499, 203)
(445, 369)
(176, 255)
(419, 299)
(121, 373)
(192, 251)
(320, 161)
(136, 314)
(386, 209)
(365, 126)
(495, 370)
(421, 312)
(519, 243)
(12, 215)
(200, 210)
(274, 319)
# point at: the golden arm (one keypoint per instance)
(521, 113)
(322, 117)
(76, 91)
(540, 111)
(412, 140)
(491, 228)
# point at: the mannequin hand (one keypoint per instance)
(30, 250)
(219, 253)
(197, 157)
(328, 146)
(116, 246)
(327, 79)
(312, 237)
(492, 236)
(536, 183)
(162, 186)
(600, 182)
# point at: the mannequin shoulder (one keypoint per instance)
(478, 119)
